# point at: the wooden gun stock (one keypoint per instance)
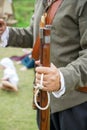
(44, 61)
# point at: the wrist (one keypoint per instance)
(61, 89)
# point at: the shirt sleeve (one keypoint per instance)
(60, 92)
(4, 38)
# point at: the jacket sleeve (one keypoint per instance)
(21, 37)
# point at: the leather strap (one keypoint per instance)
(50, 15)
(82, 89)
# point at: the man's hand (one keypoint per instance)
(2, 26)
(51, 78)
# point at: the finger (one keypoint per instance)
(37, 62)
(38, 76)
(44, 70)
(45, 77)
(37, 81)
(45, 89)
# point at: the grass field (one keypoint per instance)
(16, 111)
(23, 11)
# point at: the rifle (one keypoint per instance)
(41, 50)
(45, 61)
(44, 99)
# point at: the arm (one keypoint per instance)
(21, 37)
(17, 37)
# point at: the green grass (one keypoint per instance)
(16, 111)
(23, 11)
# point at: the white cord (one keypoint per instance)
(38, 87)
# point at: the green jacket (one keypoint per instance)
(68, 47)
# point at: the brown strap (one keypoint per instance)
(50, 15)
(82, 89)
(52, 11)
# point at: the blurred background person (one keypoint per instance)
(10, 78)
